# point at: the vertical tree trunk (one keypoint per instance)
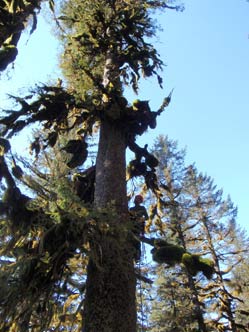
(224, 295)
(110, 288)
(191, 284)
(198, 310)
(111, 169)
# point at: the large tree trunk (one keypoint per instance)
(111, 169)
(110, 288)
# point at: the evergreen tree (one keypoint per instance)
(193, 212)
(238, 281)
(106, 48)
(218, 226)
(172, 308)
(177, 222)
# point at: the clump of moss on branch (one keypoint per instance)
(171, 254)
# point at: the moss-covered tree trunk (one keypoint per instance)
(110, 289)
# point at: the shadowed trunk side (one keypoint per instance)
(110, 288)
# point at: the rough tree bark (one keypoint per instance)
(110, 304)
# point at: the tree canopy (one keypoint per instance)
(68, 241)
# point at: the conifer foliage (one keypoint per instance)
(194, 214)
(66, 236)
(70, 223)
(14, 18)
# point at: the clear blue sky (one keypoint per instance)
(206, 50)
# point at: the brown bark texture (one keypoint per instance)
(110, 186)
(111, 286)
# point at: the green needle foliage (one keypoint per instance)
(14, 18)
(76, 220)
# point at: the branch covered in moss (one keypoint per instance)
(171, 254)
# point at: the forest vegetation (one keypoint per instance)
(72, 257)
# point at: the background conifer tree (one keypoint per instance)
(187, 197)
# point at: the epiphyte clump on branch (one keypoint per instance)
(83, 184)
(78, 149)
(171, 254)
